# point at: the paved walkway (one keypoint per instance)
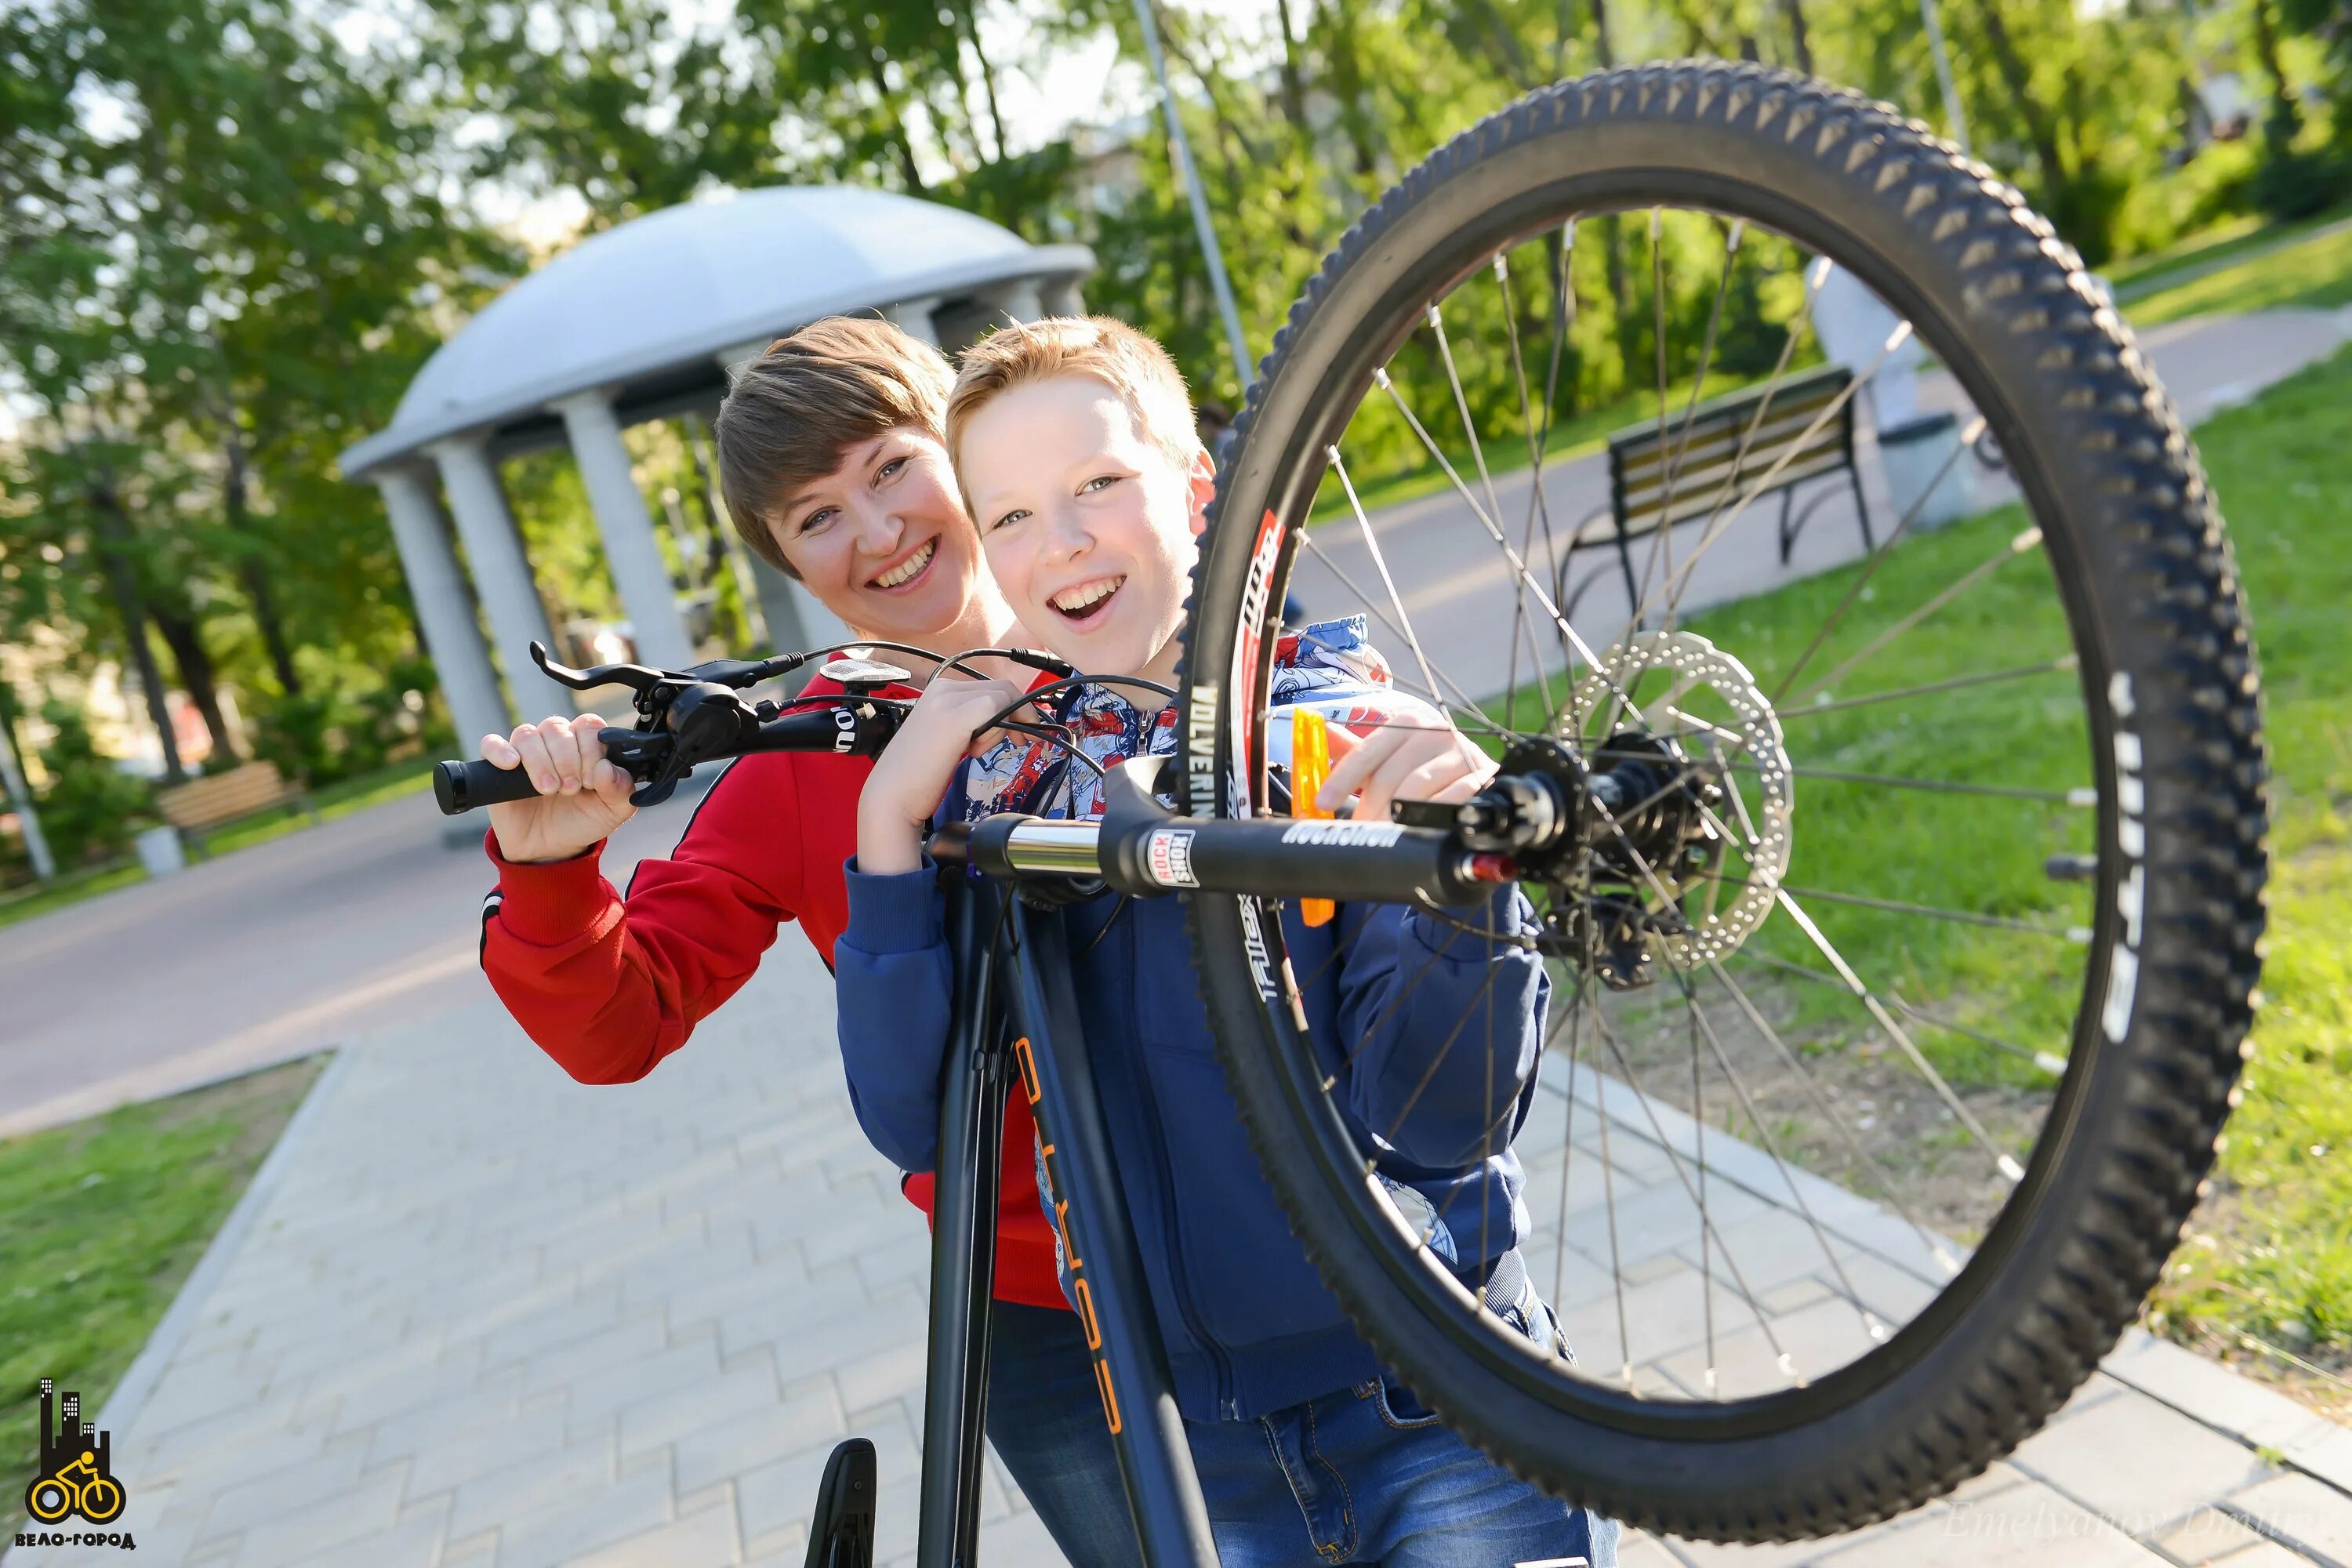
(473, 1315)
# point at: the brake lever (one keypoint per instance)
(638, 678)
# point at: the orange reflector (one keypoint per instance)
(1310, 765)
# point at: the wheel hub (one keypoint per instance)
(1674, 857)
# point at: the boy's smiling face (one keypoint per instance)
(1090, 526)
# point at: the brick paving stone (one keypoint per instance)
(808, 1417)
(2307, 1514)
(2137, 1463)
(413, 1540)
(576, 1471)
(690, 1406)
(2029, 1523)
(274, 1492)
(310, 1534)
(571, 1527)
(704, 1540)
(440, 1463)
(2206, 1534)
(2269, 1554)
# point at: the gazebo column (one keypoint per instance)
(501, 574)
(913, 317)
(630, 549)
(795, 619)
(444, 607)
(1060, 297)
(1018, 298)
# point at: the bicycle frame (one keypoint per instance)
(1020, 1029)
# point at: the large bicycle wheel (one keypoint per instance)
(1894, 1024)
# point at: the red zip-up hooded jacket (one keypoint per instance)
(608, 987)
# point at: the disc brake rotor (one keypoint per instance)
(1759, 791)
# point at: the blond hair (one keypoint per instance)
(1132, 364)
(795, 409)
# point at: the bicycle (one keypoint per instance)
(1889, 1189)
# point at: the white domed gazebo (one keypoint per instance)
(644, 321)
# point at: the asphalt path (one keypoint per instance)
(259, 956)
(324, 935)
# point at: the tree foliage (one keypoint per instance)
(234, 229)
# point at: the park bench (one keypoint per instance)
(1711, 461)
(201, 805)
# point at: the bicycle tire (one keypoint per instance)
(2152, 597)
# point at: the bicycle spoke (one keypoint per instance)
(2003, 1161)
(2082, 797)
(1609, 1202)
(1462, 704)
(2048, 1061)
(1706, 1226)
(1879, 553)
(2077, 934)
(1870, 1322)
(1380, 563)
(1717, 526)
(1657, 1131)
(1708, 532)
(2067, 663)
(1535, 506)
(1789, 1057)
(1567, 1148)
(1381, 379)
(1663, 549)
(2028, 540)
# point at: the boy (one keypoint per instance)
(830, 454)
(1075, 450)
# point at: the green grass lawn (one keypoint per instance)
(2270, 1253)
(103, 1220)
(2312, 271)
(2237, 240)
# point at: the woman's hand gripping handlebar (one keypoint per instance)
(685, 717)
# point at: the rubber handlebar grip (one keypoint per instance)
(462, 787)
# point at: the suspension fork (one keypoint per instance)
(967, 1189)
(1098, 1239)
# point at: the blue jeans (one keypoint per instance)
(1367, 1475)
(1361, 1476)
(1045, 1422)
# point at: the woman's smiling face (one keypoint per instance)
(882, 539)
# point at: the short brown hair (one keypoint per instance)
(1132, 363)
(793, 411)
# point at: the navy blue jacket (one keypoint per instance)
(1402, 1007)
(1249, 1326)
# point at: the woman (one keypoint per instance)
(831, 459)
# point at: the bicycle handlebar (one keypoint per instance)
(1521, 823)
(704, 728)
